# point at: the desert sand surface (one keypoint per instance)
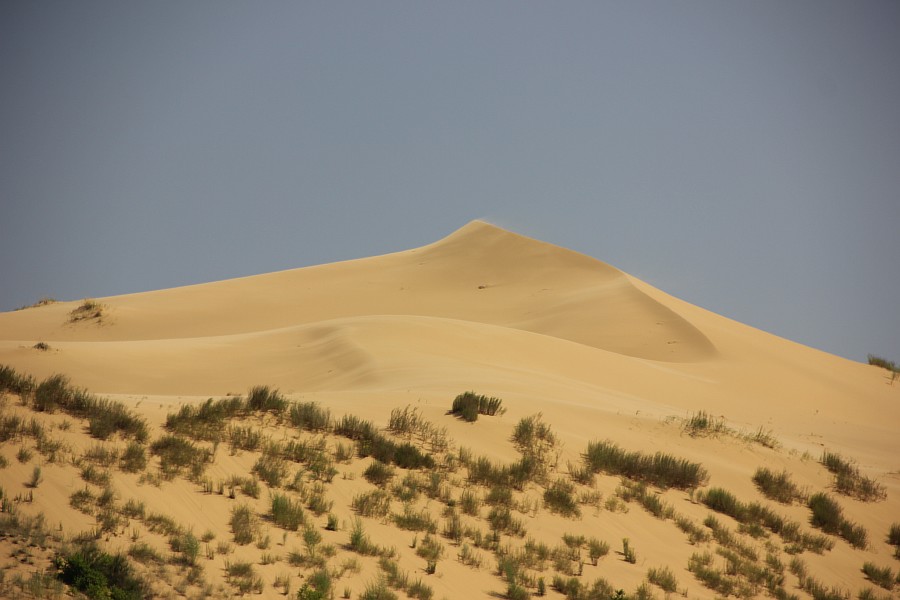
(597, 353)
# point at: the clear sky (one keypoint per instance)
(743, 156)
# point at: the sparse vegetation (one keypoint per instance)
(885, 364)
(664, 578)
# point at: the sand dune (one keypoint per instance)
(599, 353)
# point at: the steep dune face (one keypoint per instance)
(480, 273)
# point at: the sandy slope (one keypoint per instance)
(598, 352)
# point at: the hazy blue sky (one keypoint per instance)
(744, 156)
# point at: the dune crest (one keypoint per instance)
(480, 273)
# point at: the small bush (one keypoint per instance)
(134, 458)
(469, 405)
(100, 575)
(310, 416)
(243, 524)
(206, 421)
(264, 399)
(882, 576)
(893, 537)
(378, 473)
(413, 520)
(559, 498)
(12, 381)
(664, 578)
(662, 470)
(828, 516)
(502, 520)
(376, 503)
(628, 551)
(271, 468)
(777, 486)
(176, 454)
(849, 481)
(287, 513)
(702, 423)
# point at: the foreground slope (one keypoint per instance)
(599, 353)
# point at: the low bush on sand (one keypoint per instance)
(777, 486)
(662, 470)
(849, 481)
(469, 405)
(828, 516)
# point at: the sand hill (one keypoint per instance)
(600, 355)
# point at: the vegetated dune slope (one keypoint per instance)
(482, 308)
(599, 353)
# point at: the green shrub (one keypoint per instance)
(469, 502)
(286, 513)
(134, 458)
(882, 576)
(469, 405)
(187, 545)
(849, 481)
(502, 520)
(376, 503)
(271, 468)
(176, 454)
(243, 524)
(205, 421)
(309, 416)
(893, 537)
(559, 498)
(105, 417)
(777, 486)
(100, 575)
(628, 551)
(354, 428)
(378, 473)
(662, 470)
(264, 399)
(413, 520)
(664, 578)
(377, 590)
(828, 516)
(12, 381)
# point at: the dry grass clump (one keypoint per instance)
(86, 311)
(469, 405)
(662, 470)
(849, 481)
(376, 503)
(664, 578)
